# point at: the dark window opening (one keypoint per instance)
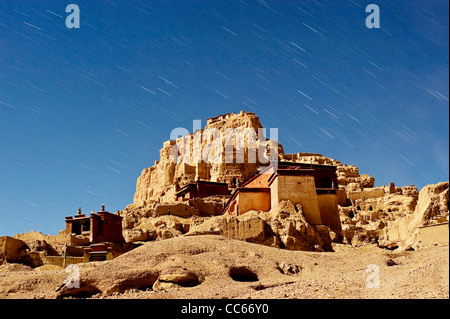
(97, 257)
(76, 228)
(324, 182)
(86, 227)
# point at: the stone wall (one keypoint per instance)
(59, 260)
(366, 194)
(175, 165)
(59, 239)
(177, 209)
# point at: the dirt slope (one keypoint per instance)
(217, 267)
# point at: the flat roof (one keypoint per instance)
(82, 217)
(305, 166)
(77, 219)
(323, 166)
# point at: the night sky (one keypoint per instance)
(84, 110)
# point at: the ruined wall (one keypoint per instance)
(366, 194)
(244, 227)
(432, 205)
(178, 209)
(399, 205)
(179, 164)
(59, 239)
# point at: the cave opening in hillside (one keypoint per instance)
(243, 274)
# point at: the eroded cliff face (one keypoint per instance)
(236, 156)
(391, 216)
(196, 156)
(431, 208)
(387, 215)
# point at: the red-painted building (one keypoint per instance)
(99, 227)
(313, 186)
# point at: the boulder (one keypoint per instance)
(42, 246)
(134, 235)
(11, 249)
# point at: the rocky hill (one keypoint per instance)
(388, 216)
(178, 163)
(156, 183)
(368, 214)
(191, 247)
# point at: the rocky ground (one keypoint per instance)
(208, 266)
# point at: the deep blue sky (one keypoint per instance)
(83, 111)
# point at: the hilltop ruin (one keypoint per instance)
(251, 191)
(345, 202)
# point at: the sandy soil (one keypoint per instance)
(217, 267)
